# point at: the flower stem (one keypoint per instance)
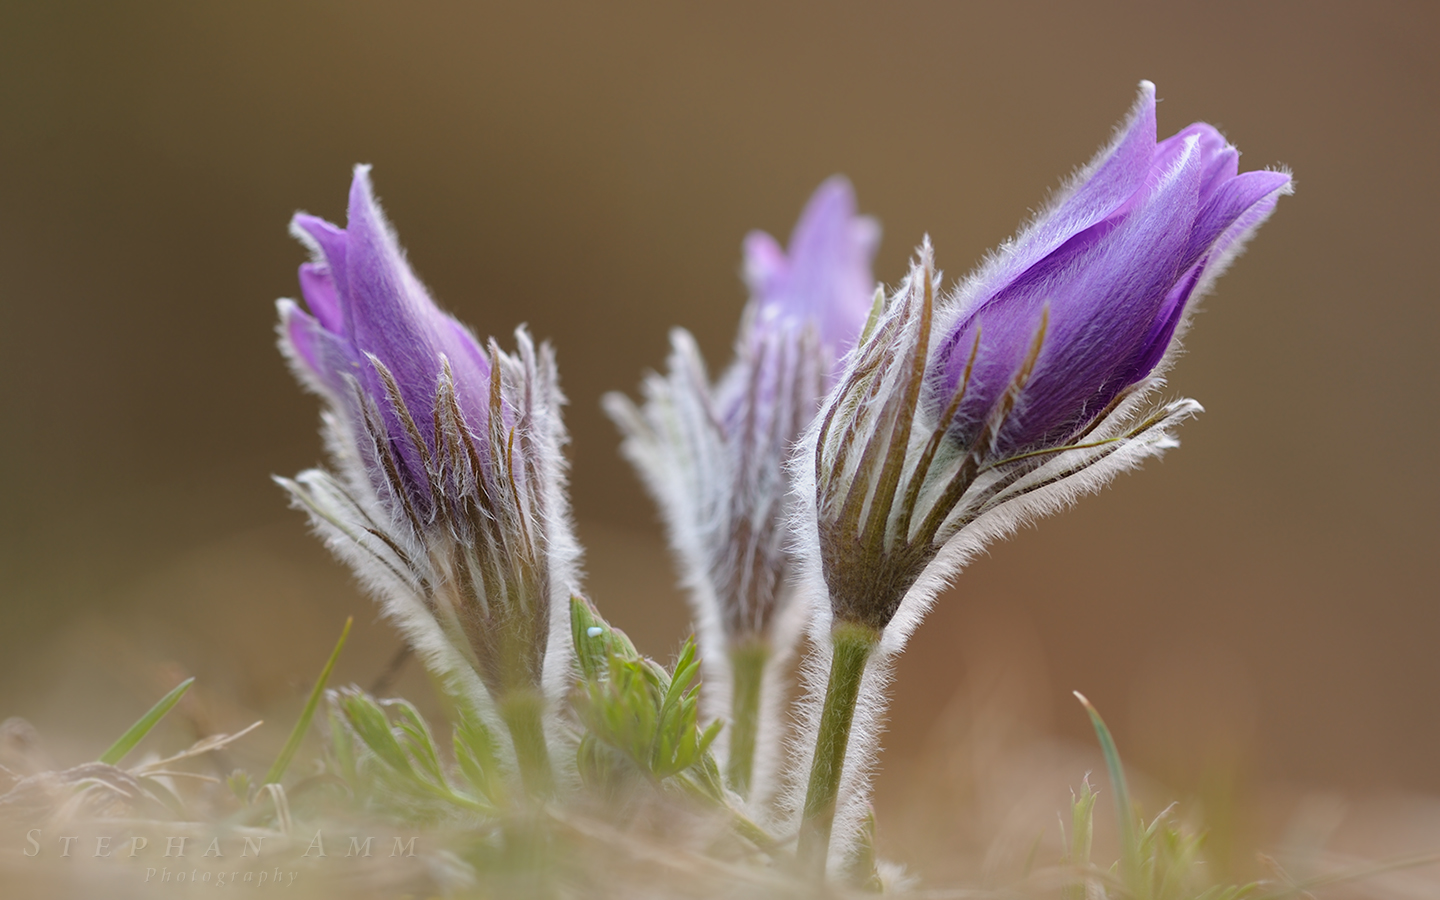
(852, 645)
(521, 711)
(747, 669)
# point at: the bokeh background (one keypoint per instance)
(1257, 614)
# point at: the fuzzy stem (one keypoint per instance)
(852, 645)
(747, 671)
(521, 711)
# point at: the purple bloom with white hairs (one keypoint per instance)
(825, 279)
(959, 417)
(1108, 273)
(449, 499)
(1033, 367)
(714, 455)
(371, 320)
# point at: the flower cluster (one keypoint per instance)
(859, 448)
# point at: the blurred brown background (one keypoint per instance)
(1261, 604)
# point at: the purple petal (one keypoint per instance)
(826, 276)
(329, 239)
(325, 355)
(366, 302)
(1222, 161)
(1162, 331)
(764, 263)
(298, 332)
(1110, 179)
(1109, 304)
(384, 315)
(388, 313)
(318, 288)
(1236, 202)
(1115, 290)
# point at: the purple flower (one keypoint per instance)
(959, 417)
(1108, 273)
(449, 499)
(807, 309)
(371, 322)
(714, 455)
(826, 278)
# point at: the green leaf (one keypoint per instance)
(596, 641)
(137, 732)
(371, 725)
(1082, 829)
(417, 738)
(398, 761)
(477, 757)
(341, 745)
(640, 720)
(282, 762)
(1129, 844)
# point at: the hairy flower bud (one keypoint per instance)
(1111, 270)
(960, 416)
(450, 494)
(714, 455)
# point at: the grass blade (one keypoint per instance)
(282, 762)
(137, 732)
(1125, 812)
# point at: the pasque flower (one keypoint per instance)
(714, 455)
(449, 495)
(960, 415)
